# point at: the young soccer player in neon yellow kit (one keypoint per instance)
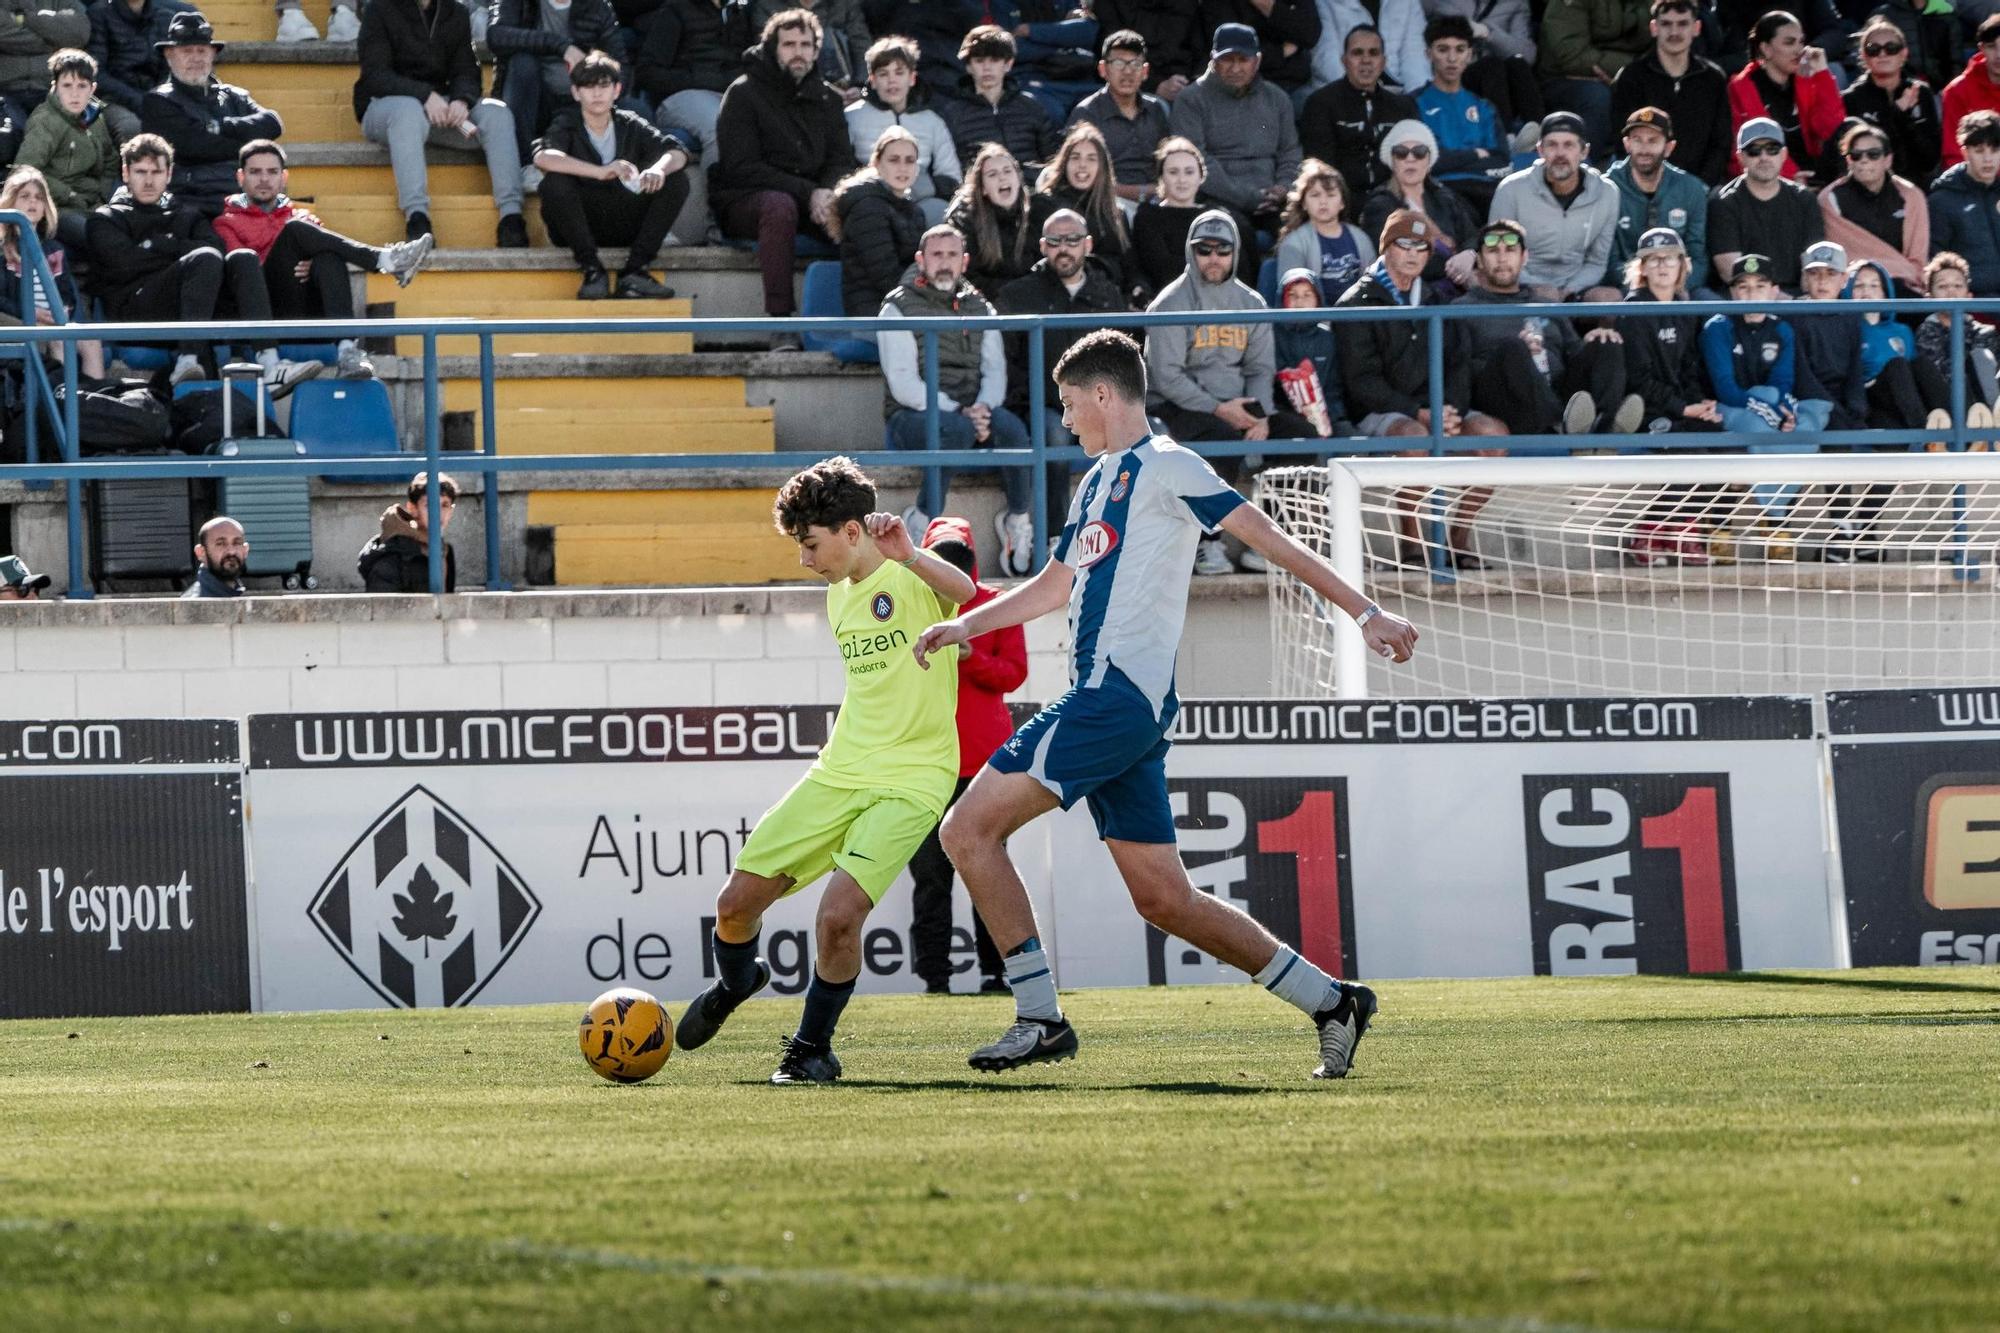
(880, 784)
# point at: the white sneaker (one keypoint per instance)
(1253, 562)
(404, 258)
(1579, 414)
(285, 376)
(294, 26)
(1017, 544)
(186, 368)
(1212, 557)
(343, 25)
(916, 521)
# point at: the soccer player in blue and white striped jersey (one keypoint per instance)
(1122, 567)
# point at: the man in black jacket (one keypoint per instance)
(688, 59)
(125, 40)
(628, 196)
(1343, 123)
(535, 44)
(154, 260)
(783, 139)
(398, 559)
(1063, 282)
(420, 84)
(206, 120)
(1693, 92)
(221, 549)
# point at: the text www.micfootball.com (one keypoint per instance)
(1442, 720)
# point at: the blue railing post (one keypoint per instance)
(431, 442)
(1964, 566)
(930, 491)
(1038, 441)
(489, 480)
(1437, 501)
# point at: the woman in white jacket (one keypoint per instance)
(1402, 29)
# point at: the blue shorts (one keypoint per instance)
(1105, 746)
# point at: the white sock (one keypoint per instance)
(268, 358)
(1297, 982)
(344, 346)
(1033, 984)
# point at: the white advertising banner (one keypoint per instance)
(1461, 838)
(424, 859)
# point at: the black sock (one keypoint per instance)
(736, 964)
(824, 1001)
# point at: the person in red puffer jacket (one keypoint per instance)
(988, 668)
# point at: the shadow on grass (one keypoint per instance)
(1935, 1018)
(1196, 1088)
(1911, 985)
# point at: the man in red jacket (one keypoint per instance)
(988, 668)
(305, 265)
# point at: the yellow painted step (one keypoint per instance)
(603, 313)
(236, 21)
(447, 179)
(650, 508)
(739, 430)
(267, 83)
(442, 291)
(673, 554)
(627, 394)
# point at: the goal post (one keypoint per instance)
(1681, 574)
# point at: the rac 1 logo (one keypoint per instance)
(1631, 873)
(1097, 540)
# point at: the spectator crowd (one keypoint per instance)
(962, 157)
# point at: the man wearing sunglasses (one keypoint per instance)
(1762, 212)
(1216, 380)
(1977, 89)
(1693, 92)
(1875, 214)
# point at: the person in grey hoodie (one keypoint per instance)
(1570, 213)
(1215, 381)
(1244, 127)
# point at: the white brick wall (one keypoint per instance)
(588, 650)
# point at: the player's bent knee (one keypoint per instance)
(743, 900)
(1162, 904)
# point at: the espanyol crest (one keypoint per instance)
(422, 907)
(1119, 487)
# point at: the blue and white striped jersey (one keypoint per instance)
(1130, 537)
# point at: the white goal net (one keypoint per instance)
(1717, 575)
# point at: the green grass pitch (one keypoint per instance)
(1768, 1152)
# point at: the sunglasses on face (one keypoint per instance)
(1403, 152)
(1410, 243)
(1882, 49)
(1766, 149)
(1210, 249)
(1496, 240)
(1867, 154)
(1067, 241)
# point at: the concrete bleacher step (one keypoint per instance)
(360, 201)
(315, 100)
(252, 21)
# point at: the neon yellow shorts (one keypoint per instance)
(816, 827)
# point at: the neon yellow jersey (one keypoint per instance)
(898, 724)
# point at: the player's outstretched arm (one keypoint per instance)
(939, 575)
(1018, 605)
(1390, 635)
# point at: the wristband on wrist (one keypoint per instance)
(914, 557)
(1368, 613)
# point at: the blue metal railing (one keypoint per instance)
(490, 464)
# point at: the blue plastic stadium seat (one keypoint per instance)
(140, 358)
(346, 419)
(1267, 280)
(823, 300)
(327, 352)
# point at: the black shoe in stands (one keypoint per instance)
(513, 234)
(418, 225)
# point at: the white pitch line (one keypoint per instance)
(1106, 1298)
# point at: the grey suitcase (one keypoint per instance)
(276, 512)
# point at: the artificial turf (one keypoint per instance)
(1772, 1151)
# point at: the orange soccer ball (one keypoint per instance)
(626, 1035)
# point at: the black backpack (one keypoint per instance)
(112, 416)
